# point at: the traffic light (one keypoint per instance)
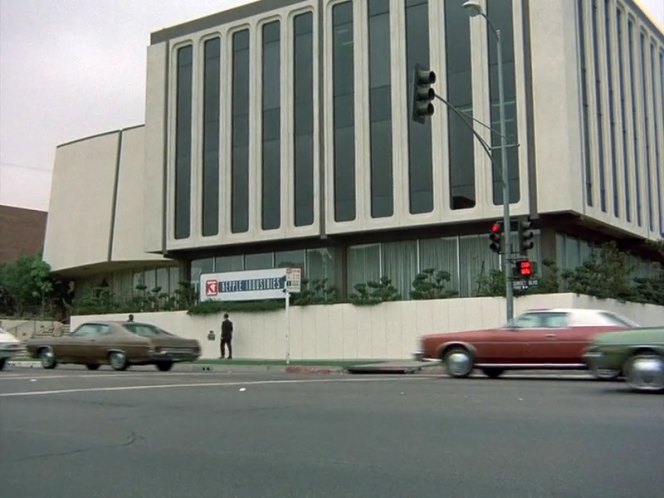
(526, 235)
(496, 237)
(423, 94)
(524, 268)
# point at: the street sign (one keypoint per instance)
(293, 279)
(523, 284)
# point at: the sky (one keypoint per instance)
(70, 69)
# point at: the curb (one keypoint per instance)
(186, 367)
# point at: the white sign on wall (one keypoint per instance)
(293, 280)
(243, 285)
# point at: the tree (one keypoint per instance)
(27, 282)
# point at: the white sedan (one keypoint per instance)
(9, 346)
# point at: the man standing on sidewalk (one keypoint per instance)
(226, 337)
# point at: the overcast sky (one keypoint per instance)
(74, 68)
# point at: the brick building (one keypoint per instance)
(21, 232)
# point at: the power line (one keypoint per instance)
(25, 166)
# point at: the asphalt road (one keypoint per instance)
(70, 433)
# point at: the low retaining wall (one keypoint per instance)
(348, 332)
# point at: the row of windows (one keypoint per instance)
(379, 27)
(624, 68)
(465, 258)
(139, 282)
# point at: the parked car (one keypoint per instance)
(537, 339)
(637, 354)
(9, 346)
(119, 344)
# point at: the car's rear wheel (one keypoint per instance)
(118, 360)
(493, 372)
(92, 366)
(645, 372)
(2, 363)
(47, 358)
(164, 366)
(458, 362)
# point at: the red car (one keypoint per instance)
(546, 338)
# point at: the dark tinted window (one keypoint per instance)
(598, 104)
(420, 177)
(584, 104)
(380, 109)
(500, 13)
(183, 143)
(304, 120)
(635, 121)
(344, 112)
(240, 140)
(271, 127)
(623, 115)
(460, 95)
(210, 186)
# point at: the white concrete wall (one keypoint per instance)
(78, 228)
(345, 331)
(557, 121)
(130, 221)
(155, 139)
(82, 215)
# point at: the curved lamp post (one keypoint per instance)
(474, 8)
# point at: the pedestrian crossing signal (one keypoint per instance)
(524, 269)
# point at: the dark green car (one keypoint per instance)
(637, 354)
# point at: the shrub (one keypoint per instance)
(430, 284)
(374, 293)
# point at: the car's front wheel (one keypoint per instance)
(2, 363)
(458, 362)
(47, 358)
(645, 372)
(118, 360)
(164, 366)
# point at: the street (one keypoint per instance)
(141, 433)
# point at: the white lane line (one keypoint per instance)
(198, 384)
(101, 375)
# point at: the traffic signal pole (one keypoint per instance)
(509, 292)
(423, 94)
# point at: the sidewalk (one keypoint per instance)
(294, 367)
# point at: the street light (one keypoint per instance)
(473, 8)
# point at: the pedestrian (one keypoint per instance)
(226, 337)
(130, 318)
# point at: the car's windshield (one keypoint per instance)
(145, 330)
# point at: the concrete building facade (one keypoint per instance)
(280, 133)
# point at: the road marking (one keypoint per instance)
(99, 375)
(198, 384)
